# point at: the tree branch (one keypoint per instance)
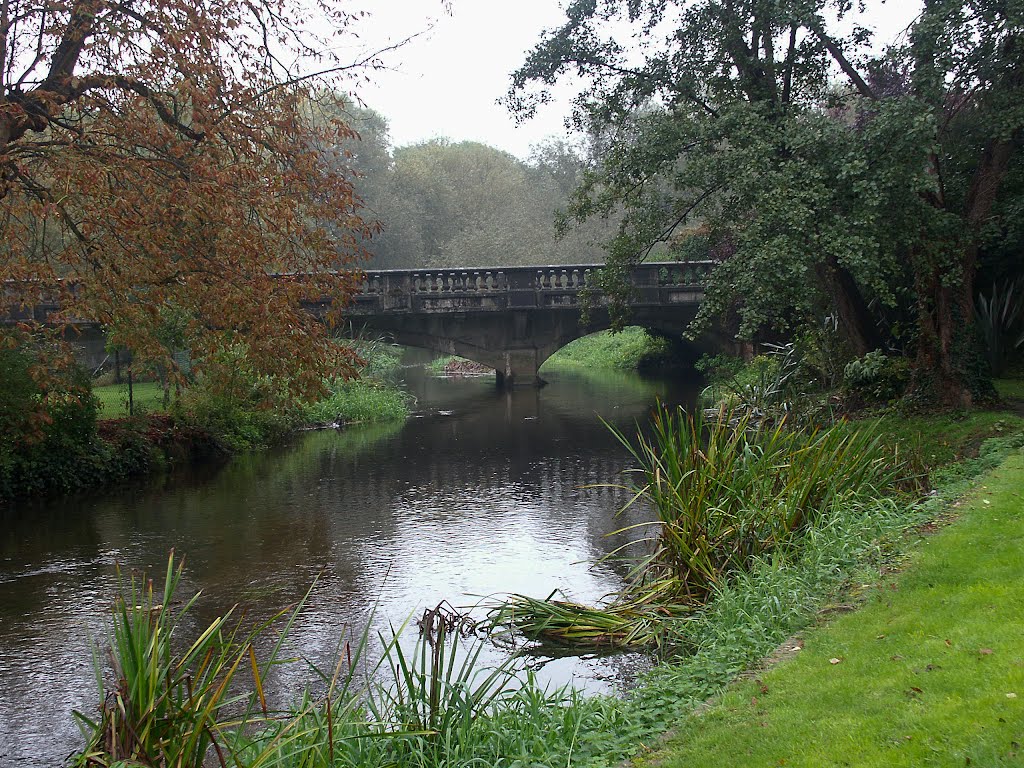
(836, 53)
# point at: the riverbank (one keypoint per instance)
(103, 435)
(756, 613)
(631, 349)
(928, 669)
(749, 617)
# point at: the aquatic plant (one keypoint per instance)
(180, 702)
(725, 491)
(167, 707)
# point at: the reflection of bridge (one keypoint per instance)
(513, 319)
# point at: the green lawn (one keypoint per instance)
(147, 396)
(938, 440)
(1010, 389)
(930, 672)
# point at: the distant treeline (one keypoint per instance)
(446, 204)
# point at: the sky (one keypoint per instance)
(447, 80)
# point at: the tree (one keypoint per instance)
(156, 160)
(813, 192)
(445, 204)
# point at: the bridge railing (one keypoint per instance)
(476, 289)
(496, 289)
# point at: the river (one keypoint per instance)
(479, 493)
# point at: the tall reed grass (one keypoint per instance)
(167, 706)
(724, 491)
(187, 702)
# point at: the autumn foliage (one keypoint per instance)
(160, 176)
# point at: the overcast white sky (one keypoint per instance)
(446, 82)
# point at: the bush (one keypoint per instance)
(47, 426)
(236, 423)
(764, 388)
(876, 377)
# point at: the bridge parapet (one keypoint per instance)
(511, 319)
(519, 288)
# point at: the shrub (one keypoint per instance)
(1000, 318)
(47, 426)
(763, 387)
(236, 423)
(876, 376)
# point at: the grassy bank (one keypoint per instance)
(87, 438)
(629, 350)
(929, 670)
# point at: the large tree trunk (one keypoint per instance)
(855, 320)
(947, 347)
(944, 343)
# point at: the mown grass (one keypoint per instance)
(147, 396)
(936, 440)
(629, 349)
(1010, 389)
(930, 671)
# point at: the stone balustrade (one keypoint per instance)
(500, 289)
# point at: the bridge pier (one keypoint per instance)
(519, 370)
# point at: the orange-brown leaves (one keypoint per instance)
(170, 174)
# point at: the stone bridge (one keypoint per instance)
(513, 319)
(510, 319)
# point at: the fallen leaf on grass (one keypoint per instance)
(834, 661)
(985, 651)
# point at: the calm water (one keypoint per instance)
(479, 493)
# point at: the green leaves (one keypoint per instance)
(862, 195)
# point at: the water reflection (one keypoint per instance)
(481, 492)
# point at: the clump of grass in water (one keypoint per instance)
(726, 491)
(166, 708)
(430, 707)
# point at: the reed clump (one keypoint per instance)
(169, 700)
(725, 491)
(176, 700)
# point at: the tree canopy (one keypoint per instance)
(824, 177)
(158, 174)
(459, 204)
